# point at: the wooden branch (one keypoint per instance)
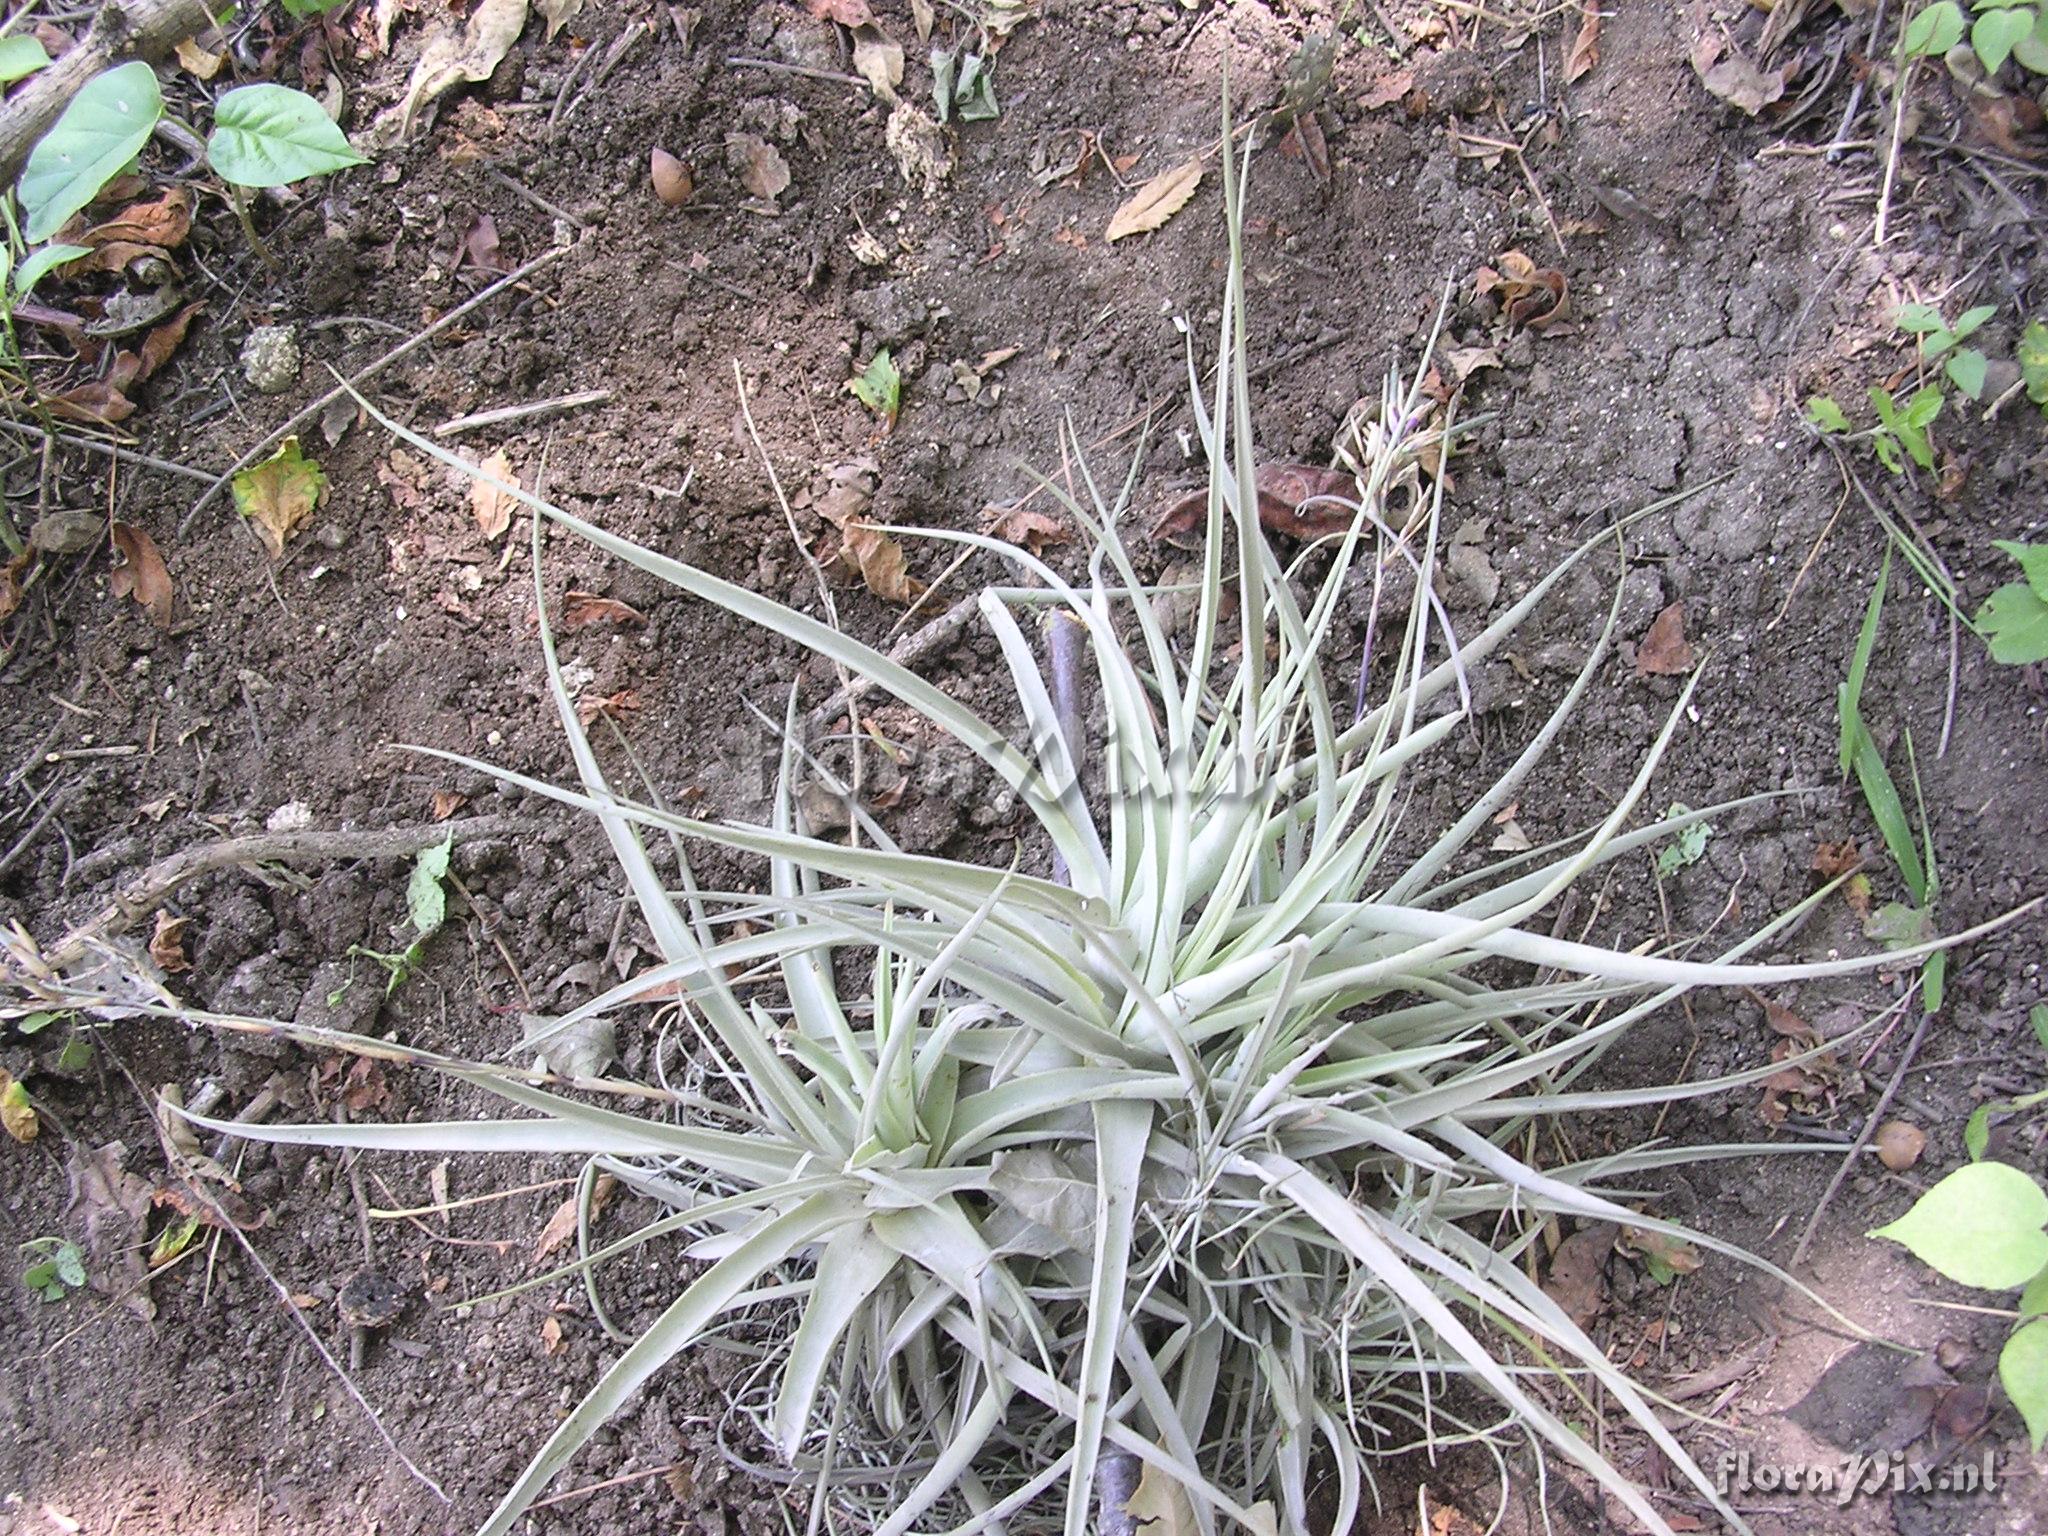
(136, 898)
(123, 30)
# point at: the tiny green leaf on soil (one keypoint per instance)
(270, 135)
(425, 901)
(2033, 559)
(37, 265)
(1689, 847)
(1966, 369)
(2014, 620)
(2037, 1016)
(102, 130)
(1995, 34)
(1979, 1226)
(880, 387)
(2032, 356)
(1826, 415)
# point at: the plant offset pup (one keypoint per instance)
(1200, 1163)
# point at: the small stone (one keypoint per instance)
(270, 359)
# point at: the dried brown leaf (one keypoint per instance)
(1734, 79)
(557, 13)
(456, 52)
(617, 706)
(445, 803)
(1578, 1273)
(848, 13)
(17, 1115)
(562, 1225)
(197, 61)
(878, 59)
(580, 610)
(761, 168)
(10, 584)
(1155, 202)
(1025, 527)
(491, 506)
(142, 575)
(1664, 650)
(1586, 46)
(1387, 89)
(163, 224)
(164, 340)
(868, 550)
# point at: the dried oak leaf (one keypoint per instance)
(1833, 859)
(1578, 1273)
(1586, 46)
(96, 403)
(10, 584)
(1899, 1144)
(163, 225)
(492, 506)
(1734, 79)
(580, 610)
(611, 706)
(868, 550)
(163, 340)
(762, 170)
(1531, 297)
(1387, 90)
(1155, 202)
(561, 1226)
(142, 574)
(167, 944)
(1664, 650)
(1021, 526)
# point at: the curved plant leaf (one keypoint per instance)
(102, 130)
(268, 135)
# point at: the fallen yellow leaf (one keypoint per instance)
(1156, 201)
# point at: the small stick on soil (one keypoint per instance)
(504, 413)
(1870, 1125)
(941, 632)
(355, 381)
(611, 1482)
(111, 450)
(139, 897)
(796, 69)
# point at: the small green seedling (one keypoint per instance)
(426, 905)
(1940, 341)
(2003, 29)
(1901, 430)
(263, 136)
(1982, 1226)
(20, 57)
(1896, 925)
(1688, 848)
(1977, 1130)
(2014, 619)
(880, 388)
(55, 1269)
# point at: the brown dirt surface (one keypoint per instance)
(1720, 269)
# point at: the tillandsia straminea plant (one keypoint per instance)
(1207, 1165)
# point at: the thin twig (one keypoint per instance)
(940, 632)
(363, 376)
(111, 450)
(1863, 1139)
(500, 415)
(777, 67)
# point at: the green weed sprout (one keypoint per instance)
(1199, 1166)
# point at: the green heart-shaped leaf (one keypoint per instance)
(1979, 1226)
(1997, 33)
(103, 129)
(267, 135)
